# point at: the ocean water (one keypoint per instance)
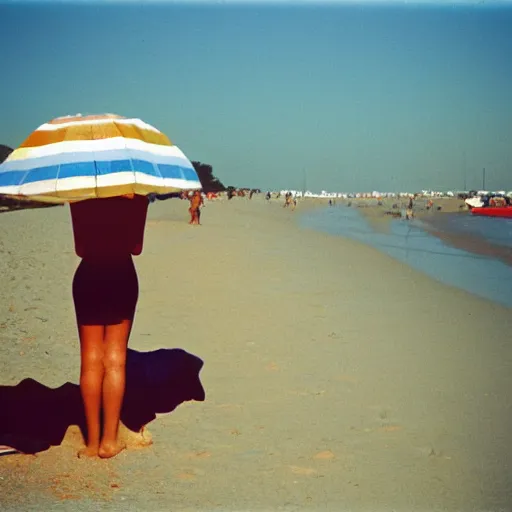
(410, 243)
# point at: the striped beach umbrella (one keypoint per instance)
(83, 157)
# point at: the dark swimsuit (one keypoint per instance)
(105, 294)
(105, 286)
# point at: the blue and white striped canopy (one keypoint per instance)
(76, 158)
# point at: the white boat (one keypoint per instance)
(474, 202)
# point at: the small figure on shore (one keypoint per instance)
(409, 214)
(196, 201)
(268, 196)
(107, 233)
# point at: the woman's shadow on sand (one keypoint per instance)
(34, 417)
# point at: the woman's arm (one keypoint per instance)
(76, 219)
(139, 214)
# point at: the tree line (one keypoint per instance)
(209, 182)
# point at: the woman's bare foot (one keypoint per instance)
(88, 451)
(108, 450)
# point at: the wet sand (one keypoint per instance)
(434, 222)
(336, 378)
(436, 226)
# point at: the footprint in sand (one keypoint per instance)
(65, 497)
(186, 475)
(199, 455)
(325, 455)
(297, 470)
(391, 428)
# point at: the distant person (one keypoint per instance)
(196, 201)
(268, 196)
(409, 213)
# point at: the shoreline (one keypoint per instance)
(472, 244)
(432, 223)
(464, 262)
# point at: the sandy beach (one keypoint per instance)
(336, 378)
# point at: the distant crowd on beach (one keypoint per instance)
(197, 199)
(405, 208)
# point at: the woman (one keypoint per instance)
(107, 233)
(196, 201)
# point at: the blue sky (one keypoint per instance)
(353, 95)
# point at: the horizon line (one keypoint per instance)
(223, 3)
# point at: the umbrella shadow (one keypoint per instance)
(35, 417)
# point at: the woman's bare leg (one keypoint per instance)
(91, 378)
(114, 361)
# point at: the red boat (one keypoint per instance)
(493, 211)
